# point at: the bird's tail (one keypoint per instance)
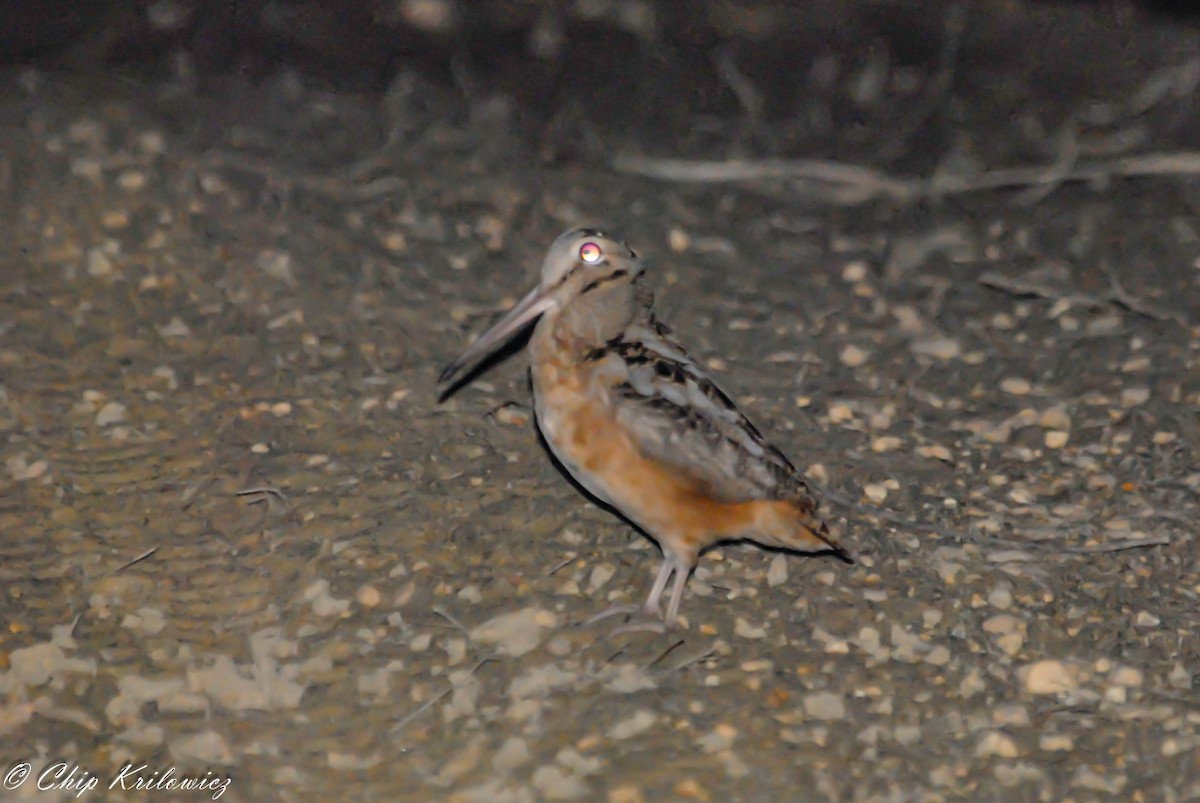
(786, 524)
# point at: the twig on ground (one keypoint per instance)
(670, 649)
(682, 658)
(1118, 546)
(851, 185)
(1119, 295)
(331, 186)
(266, 494)
(1032, 284)
(558, 567)
(434, 700)
(442, 612)
(138, 559)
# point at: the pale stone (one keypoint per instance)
(996, 743)
(1050, 677)
(824, 705)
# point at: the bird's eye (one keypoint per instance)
(590, 253)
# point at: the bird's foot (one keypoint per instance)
(639, 625)
(616, 610)
(640, 619)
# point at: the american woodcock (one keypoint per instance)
(640, 425)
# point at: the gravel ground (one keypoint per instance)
(242, 543)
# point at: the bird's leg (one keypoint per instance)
(651, 612)
(682, 572)
(653, 621)
(650, 609)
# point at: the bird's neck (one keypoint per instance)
(592, 319)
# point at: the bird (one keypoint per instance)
(641, 426)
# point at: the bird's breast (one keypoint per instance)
(574, 414)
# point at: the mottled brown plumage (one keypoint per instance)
(640, 425)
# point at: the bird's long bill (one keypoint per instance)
(528, 308)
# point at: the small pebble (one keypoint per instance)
(1049, 677)
(323, 602)
(1087, 778)
(940, 348)
(875, 491)
(601, 574)
(626, 794)
(840, 412)
(395, 241)
(115, 219)
(756, 665)
(887, 443)
(1056, 439)
(1146, 619)
(777, 573)
(175, 328)
(1000, 598)
(456, 650)
(634, 725)
(825, 706)
(112, 413)
(131, 180)
(936, 451)
(996, 743)
(678, 240)
(719, 738)
(1132, 397)
(1011, 643)
(515, 633)
(1179, 677)
(1011, 715)
(513, 752)
(746, 630)
(23, 471)
(556, 784)
(1054, 418)
(1001, 624)
(938, 656)
(1056, 743)
(1016, 386)
(853, 356)
(689, 788)
(854, 272)
(1127, 676)
(513, 416)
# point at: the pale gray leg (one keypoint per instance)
(671, 565)
(651, 606)
(651, 610)
(681, 578)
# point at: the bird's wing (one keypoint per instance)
(678, 416)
